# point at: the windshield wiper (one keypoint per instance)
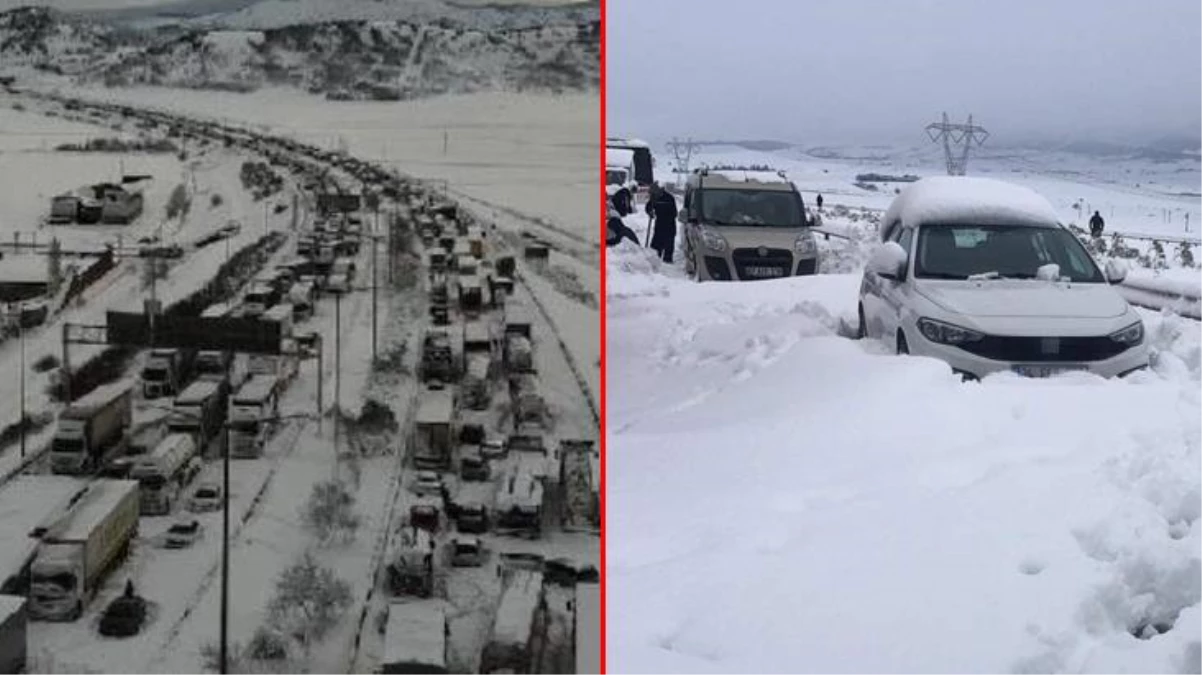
(985, 275)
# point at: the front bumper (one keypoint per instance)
(740, 265)
(977, 367)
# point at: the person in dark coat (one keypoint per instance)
(1096, 224)
(662, 207)
(819, 201)
(616, 230)
(622, 201)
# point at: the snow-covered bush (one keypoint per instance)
(330, 511)
(309, 600)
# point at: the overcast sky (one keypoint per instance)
(817, 71)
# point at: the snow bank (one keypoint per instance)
(783, 499)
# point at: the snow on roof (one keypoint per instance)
(477, 365)
(626, 143)
(964, 199)
(619, 157)
(475, 331)
(24, 269)
(256, 389)
(197, 391)
(735, 176)
(435, 407)
(588, 628)
(27, 502)
(103, 394)
(516, 611)
(102, 498)
(9, 605)
(415, 634)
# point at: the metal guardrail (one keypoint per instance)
(1183, 304)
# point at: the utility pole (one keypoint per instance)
(960, 136)
(683, 152)
(337, 372)
(21, 328)
(374, 298)
(225, 551)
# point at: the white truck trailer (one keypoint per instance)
(92, 429)
(78, 551)
(163, 473)
(415, 638)
(433, 433)
(509, 649)
(29, 504)
(199, 410)
(252, 410)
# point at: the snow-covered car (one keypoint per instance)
(982, 275)
(231, 229)
(427, 483)
(744, 226)
(207, 497)
(467, 552)
(492, 448)
(338, 283)
(182, 533)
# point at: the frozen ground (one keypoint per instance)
(784, 499)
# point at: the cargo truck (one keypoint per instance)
(415, 638)
(199, 411)
(92, 429)
(163, 473)
(165, 372)
(471, 294)
(438, 357)
(78, 551)
(30, 503)
(12, 634)
(411, 571)
(432, 430)
(510, 648)
(477, 392)
(252, 410)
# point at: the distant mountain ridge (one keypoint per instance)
(389, 59)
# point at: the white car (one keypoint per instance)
(982, 275)
(183, 533)
(207, 497)
(427, 483)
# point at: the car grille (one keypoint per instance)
(778, 258)
(1045, 349)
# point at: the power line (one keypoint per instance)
(957, 136)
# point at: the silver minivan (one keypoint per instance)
(746, 225)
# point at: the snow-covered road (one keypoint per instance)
(781, 499)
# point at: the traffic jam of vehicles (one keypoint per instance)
(487, 478)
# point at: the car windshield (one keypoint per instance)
(69, 445)
(613, 177)
(1000, 252)
(771, 208)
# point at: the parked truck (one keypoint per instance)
(438, 356)
(471, 294)
(415, 638)
(77, 552)
(510, 648)
(477, 385)
(199, 411)
(12, 634)
(580, 484)
(165, 372)
(252, 410)
(411, 571)
(164, 473)
(92, 429)
(433, 433)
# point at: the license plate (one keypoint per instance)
(1045, 371)
(763, 272)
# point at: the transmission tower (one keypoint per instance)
(683, 151)
(957, 139)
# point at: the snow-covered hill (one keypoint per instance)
(324, 48)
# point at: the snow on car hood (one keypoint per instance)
(1024, 298)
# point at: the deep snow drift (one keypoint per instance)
(784, 499)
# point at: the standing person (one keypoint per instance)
(1096, 224)
(662, 207)
(819, 201)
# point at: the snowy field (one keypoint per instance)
(784, 499)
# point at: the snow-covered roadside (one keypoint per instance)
(783, 499)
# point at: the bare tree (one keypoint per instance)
(309, 600)
(330, 511)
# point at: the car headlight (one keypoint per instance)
(805, 245)
(1131, 335)
(946, 333)
(713, 240)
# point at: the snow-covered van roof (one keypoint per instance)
(26, 503)
(729, 179)
(614, 142)
(197, 391)
(415, 634)
(516, 612)
(588, 628)
(103, 496)
(435, 407)
(968, 199)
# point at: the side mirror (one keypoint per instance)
(1116, 271)
(888, 261)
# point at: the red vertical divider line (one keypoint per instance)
(604, 397)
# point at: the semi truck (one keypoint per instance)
(411, 571)
(163, 473)
(30, 503)
(519, 501)
(510, 648)
(92, 429)
(477, 392)
(165, 372)
(415, 638)
(438, 356)
(78, 551)
(251, 411)
(199, 411)
(433, 429)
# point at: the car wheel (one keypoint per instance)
(902, 346)
(862, 327)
